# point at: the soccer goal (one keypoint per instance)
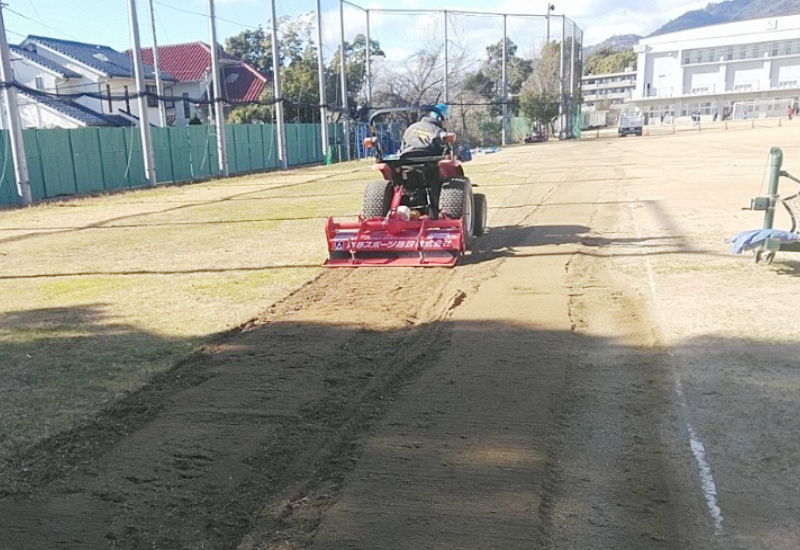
(761, 108)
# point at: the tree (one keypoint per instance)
(540, 95)
(355, 72)
(606, 61)
(253, 46)
(487, 81)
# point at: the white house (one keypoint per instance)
(743, 69)
(58, 71)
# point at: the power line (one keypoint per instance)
(205, 15)
(40, 23)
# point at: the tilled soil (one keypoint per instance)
(537, 396)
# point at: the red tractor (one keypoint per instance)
(421, 213)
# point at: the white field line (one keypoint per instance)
(707, 484)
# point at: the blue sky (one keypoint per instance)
(106, 21)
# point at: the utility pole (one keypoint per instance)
(141, 99)
(276, 77)
(323, 110)
(572, 104)
(561, 80)
(446, 62)
(505, 82)
(345, 114)
(162, 108)
(14, 122)
(219, 113)
(369, 65)
(550, 7)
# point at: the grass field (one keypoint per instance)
(100, 294)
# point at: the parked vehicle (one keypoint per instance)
(630, 123)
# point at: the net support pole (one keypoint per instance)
(505, 80)
(323, 110)
(446, 61)
(144, 119)
(162, 107)
(369, 64)
(219, 113)
(345, 116)
(14, 121)
(572, 104)
(561, 94)
(276, 81)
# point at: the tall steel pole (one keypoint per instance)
(276, 77)
(345, 113)
(323, 110)
(144, 118)
(571, 78)
(446, 62)
(14, 122)
(369, 65)
(505, 81)
(162, 107)
(561, 79)
(219, 113)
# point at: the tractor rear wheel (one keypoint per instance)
(481, 213)
(456, 201)
(377, 199)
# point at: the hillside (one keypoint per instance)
(727, 12)
(617, 43)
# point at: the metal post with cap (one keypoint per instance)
(219, 113)
(14, 122)
(141, 99)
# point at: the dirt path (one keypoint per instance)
(554, 391)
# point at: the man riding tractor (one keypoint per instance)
(426, 138)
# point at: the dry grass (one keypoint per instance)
(100, 294)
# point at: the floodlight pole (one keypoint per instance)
(505, 82)
(446, 62)
(144, 119)
(323, 110)
(572, 78)
(346, 118)
(14, 121)
(276, 80)
(561, 80)
(369, 65)
(162, 107)
(219, 113)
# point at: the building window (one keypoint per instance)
(108, 93)
(187, 113)
(152, 92)
(170, 102)
(39, 83)
(127, 99)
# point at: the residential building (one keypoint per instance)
(610, 90)
(735, 70)
(190, 65)
(63, 69)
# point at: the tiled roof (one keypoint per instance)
(191, 62)
(79, 112)
(242, 83)
(186, 62)
(44, 62)
(101, 58)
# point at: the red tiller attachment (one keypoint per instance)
(394, 242)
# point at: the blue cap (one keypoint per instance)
(440, 111)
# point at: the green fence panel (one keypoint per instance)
(162, 154)
(88, 159)
(256, 137)
(115, 153)
(213, 155)
(136, 174)
(31, 142)
(270, 132)
(58, 168)
(181, 154)
(8, 182)
(241, 147)
(200, 138)
(233, 161)
(292, 155)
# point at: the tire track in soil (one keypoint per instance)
(254, 433)
(272, 414)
